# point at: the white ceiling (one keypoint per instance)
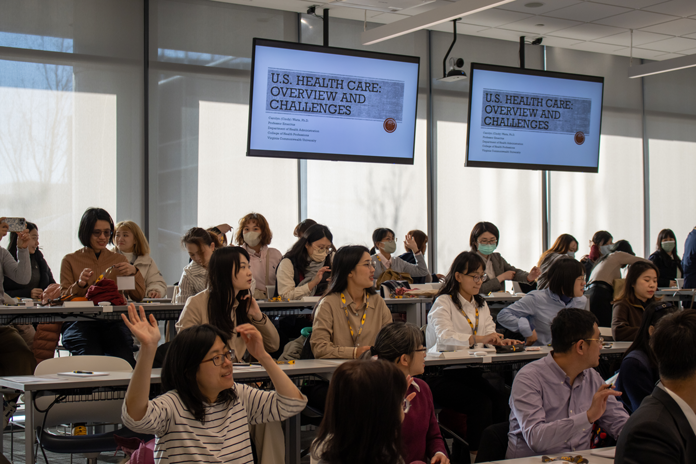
(662, 29)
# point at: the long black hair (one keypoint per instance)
(378, 235)
(664, 233)
(628, 294)
(395, 340)
(225, 263)
(621, 245)
(298, 252)
(652, 314)
(349, 433)
(344, 261)
(465, 262)
(12, 246)
(181, 363)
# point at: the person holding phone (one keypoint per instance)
(132, 243)
(306, 267)
(227, 303)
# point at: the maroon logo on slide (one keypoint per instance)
(389, 125)
(579, 138)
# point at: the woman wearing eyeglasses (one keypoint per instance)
(81, 269)
(460, 320)
(484, 240)
(204, 416)
(385, 246)
(402, 344)
(306, 267)
(532, 315)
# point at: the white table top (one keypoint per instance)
(587, 454)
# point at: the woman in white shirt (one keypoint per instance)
(254, 235)
(458, 320)
(131, 242)
(385, 245)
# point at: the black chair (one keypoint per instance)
(494, 441)
(86, 444)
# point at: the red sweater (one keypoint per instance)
(420, 431)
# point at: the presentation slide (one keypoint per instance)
(324, 105)
(534, 122)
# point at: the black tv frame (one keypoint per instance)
(529, 72)
(335, 51)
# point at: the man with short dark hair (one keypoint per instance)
(555, 400)
(663, 428)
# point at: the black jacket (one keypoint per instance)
(667, 267)
(16, 290)
(657, 432)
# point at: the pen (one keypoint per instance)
(82, 372)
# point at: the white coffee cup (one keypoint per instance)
(28, 302)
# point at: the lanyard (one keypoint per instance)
(474, 329)
(362, 319)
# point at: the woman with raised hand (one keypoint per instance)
(667, 260)
(226, 302)
(306, 267)
(132, 243)
(254, 235)
(362, 421)
(199, 244)
(565, 246)
(402, 344)
(204, 416)
(384, 242)
(484, 240)
(80, 270)
(532, 315)
(637, 294)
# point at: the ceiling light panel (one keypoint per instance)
(587, 12)
(588, 32)
(636, 19)
(494, 18)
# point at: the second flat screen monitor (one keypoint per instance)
(312, 102)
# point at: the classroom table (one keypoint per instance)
(30, 385)
(587, 454)
(675, 294)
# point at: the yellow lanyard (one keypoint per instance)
(474, 329)
(362, 319)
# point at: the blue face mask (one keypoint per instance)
(605, 249)
(487, 249)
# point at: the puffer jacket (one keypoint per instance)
(46, 340)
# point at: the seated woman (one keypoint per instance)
(600, 285)
(421, 240)
(460, 319)
(203, 413)
(638, 373)
(637, 294)
(80, 270)
(305, 268)
(565, 245)
(667, 260)
(360, 392)
(199, 244)
(484, 240)
(254, 235)
(599, 246)
(226, 302)
(131, 243)
(41, 286)
(385, 244)
(350, 315)
(532, 315)
(402, 343)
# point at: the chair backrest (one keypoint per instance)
(170, 291)
(107, 409)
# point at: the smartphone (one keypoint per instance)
(16, 224)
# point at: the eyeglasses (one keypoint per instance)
(484, 242)
(322, 249)
(600, 340)
(478, 278)
(218, 360)
(98, 233)
(421, 350)
(406, 405)
(368, 265)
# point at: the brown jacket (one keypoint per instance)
(74, 263)
(46, 340)
(625, 321)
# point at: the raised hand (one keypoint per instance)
(599, 402)
(23, 239)
(145, 330)
(533, 274)
(411, 243)
(85, 276)
(253, 340)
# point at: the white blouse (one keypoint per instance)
(448, 329)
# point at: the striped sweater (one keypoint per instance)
(224, 438)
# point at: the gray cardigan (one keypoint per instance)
(420, 269)
(500, 266)
(19, 271)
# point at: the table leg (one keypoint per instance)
(29, 430)
(292, 440)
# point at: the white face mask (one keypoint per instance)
(571, 254)
(605, 249)
(252, 238)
